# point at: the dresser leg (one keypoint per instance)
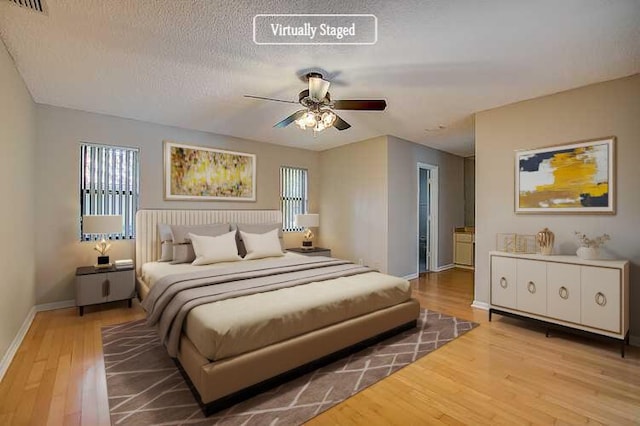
(130, 302)
(490, 315)
(546, 334)
(81, 310)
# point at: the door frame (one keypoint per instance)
(433, 213)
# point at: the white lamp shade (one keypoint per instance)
(308, 220)
(102, 224)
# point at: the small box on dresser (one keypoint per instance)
(587, 295)
(102, 285)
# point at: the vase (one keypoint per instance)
(588, 253)
(545, 239)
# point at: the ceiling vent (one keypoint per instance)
(35, 5)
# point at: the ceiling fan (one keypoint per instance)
(318, 109)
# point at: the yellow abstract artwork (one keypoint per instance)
(575, 177)
(208, 174)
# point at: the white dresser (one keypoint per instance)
(587, 295)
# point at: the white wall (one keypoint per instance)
(598, 110)
(61, 130)
(353, 202)
(403, 159)
(17, 143)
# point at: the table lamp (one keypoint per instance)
(102, 225)
(307, 221)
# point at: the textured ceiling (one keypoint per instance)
(188, 63)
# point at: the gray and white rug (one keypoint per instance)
(146, 388)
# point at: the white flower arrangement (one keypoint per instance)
(591, 242)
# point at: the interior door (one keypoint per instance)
(423, 221)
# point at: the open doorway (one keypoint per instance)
(427, 218)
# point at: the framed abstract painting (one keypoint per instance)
(208, 174)
(573, 178)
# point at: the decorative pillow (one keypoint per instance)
(166, 239)
(210, 250)
(256, 229)
(262, 245)
(182, 248)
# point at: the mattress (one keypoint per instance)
(234, 326)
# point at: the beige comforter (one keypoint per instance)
(174, 296)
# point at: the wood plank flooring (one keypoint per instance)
(503, 372)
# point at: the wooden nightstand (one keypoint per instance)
(95, 285)
(315, 251)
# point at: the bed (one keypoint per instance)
(232, 348)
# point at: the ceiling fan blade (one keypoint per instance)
(340, 124)
(318, 88)
(269, 99)
(367, 105)
(290, 119)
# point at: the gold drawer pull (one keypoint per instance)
(503, 282)
(563, 292)
(601, 299)
(531, 287)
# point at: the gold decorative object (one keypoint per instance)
(545, 239)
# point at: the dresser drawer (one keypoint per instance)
(563, 291)
(464, 238)
(531, 286)
(503, 281)
(600, 298)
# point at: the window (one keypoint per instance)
(109, 184)
(293, 196)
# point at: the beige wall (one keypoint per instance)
(604, 109)
(353, 202)
(403, 159)
(60, 131)
(17, 260)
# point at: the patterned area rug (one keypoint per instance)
(146, 388)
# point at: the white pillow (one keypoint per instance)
(214, 249)
(262, 245)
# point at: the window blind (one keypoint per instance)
(293, 196)
(109, 184)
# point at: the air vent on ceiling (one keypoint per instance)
(35, 5)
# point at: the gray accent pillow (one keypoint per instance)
(182, 248)
(166, 239)
(252, 228)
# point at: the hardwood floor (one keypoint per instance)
(503, 372)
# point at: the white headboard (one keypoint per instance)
(148, 243)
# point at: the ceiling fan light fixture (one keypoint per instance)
(328, 118)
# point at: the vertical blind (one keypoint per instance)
(293, 196)
(109, 184)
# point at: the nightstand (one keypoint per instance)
(101, 285)
(314, 251)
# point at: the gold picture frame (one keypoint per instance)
(200, 173)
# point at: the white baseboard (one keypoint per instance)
(444, 267)
(56, 305)
(470, 268)
(24, 328)
(410, 276)
(16, 342)
(480, 305)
